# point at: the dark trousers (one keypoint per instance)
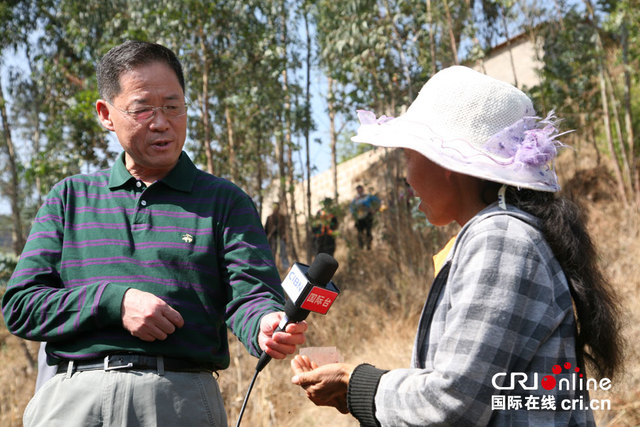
(364, 225)
(325, 244)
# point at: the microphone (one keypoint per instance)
(307, 289)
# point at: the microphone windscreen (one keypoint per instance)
(322, 269)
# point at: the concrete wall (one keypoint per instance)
(498, 63)
(350, 173)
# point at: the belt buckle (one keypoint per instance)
(112, 368)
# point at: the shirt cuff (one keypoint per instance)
(361, 393)
(110, 306)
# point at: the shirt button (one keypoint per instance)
(138, 184)
(143, 203)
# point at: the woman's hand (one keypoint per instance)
(325, 385)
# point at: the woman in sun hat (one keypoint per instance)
(520, 295)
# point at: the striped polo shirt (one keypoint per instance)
(192, 239)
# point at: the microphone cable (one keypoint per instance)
(264, 360)
(246, 397)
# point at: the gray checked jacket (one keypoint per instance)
(500, 305)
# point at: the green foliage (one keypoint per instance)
(8, 263)
(570, 69)
(348, 149)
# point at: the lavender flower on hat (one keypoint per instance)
(537, 148)
(525, 144)
(369, 118)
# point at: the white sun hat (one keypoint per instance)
(473, 124)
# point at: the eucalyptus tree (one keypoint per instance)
(16, 22)
(585, 59)
(569, 64)
(386, 50)
(305, 13)
(54, 90)
(229, 58)
(624, 24)
(351, 52)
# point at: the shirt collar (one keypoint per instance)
(182, 177)
(119, 173)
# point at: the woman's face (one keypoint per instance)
(432, 184)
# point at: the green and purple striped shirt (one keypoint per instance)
(193, 239)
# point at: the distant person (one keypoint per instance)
(276, 229)
(363, 207)
(133, 274)
(324, 228)
(520, 301)
(405, 195)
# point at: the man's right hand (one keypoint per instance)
(148, 317)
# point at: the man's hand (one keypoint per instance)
(279, 345)
(148, 317)
(326, 385)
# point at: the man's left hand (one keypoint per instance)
(283, 343)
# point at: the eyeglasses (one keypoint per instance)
(145, 113)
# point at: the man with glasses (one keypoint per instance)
(133, 274)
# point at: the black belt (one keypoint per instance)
(135, 361)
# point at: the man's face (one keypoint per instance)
(153, 146)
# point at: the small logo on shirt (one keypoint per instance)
(187, 238)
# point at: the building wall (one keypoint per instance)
(349, 173)
(498, 63)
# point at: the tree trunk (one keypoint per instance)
(307, 113)
(233, 166)
(619, 138)
(605, 106)
(607, 129)
(398, 42)
(13, 190)
(36, 128)
(259, 174)
(333, 138)
(432, 43)
(506, 34)
(592, 139)
(452, 37)
(206, 138)
(628, 121)
(559, 14)
(287, 146)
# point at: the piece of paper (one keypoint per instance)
(322, 355)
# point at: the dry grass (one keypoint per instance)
(374, 320)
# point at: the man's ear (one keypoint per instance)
(104, 115)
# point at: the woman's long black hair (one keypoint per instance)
(599, 341)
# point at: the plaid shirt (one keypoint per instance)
(504, 307)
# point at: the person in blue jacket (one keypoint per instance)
(363, 207)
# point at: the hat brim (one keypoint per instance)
(441, 149)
